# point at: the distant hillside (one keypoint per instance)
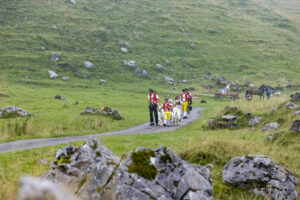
(245, 41)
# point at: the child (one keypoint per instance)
(167, 108)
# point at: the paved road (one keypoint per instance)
(140, 129)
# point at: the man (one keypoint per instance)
(185, 103)
(153, 99)
(189, 97)
(167, 106)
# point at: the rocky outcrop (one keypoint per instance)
(295, 97)
(270, 127)
(12, 112)
(290, 105)
(296, 126)
(229, 118)
(141, 72)
(254, 120)
(88, 64)
(55, 57)
(93, 172)
(259, 174)
(104, 111)
(52, 74)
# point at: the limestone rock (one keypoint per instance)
(297, 112)
(140, 72)
(273, 107)
(229, 118)
(259, 174)
(65, 78)
(159, 66)
(58, 97)
(254, 120)
(88, 64)
(131, 63)
(277, 94)
(169, 80)
(124, 50)
(290, 105)
(12, 112)
(270, 126)
(296, 126)
(55, 57)
(167, 61)
(103, 110)
(92, 172)
(52, 74)
(295, 97)
(73, 1)
(37, 189)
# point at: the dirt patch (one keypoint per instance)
(4, 96)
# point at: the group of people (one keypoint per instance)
(183, 102)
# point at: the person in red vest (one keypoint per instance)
(189, 96)
(153, 100)
(185, 102)
(167, 106)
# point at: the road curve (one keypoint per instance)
(140, 129)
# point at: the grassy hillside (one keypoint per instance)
(243, 40)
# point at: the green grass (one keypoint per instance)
(194, 143)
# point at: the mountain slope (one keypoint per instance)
(242, 40)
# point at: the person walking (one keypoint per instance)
(185, 103)
(153, 100)
(167, 106)
(268, 92)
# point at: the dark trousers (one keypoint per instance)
(153, 108)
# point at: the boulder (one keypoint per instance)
(297, 112)
(193, 44)
(93, 172)
(52, 74)
(58, 97)
(270, 126)
(43, 48)
(273, 107)
(88, 64)
(73, 1)
(169, 80)
(87, 75)
(12, 112)
(229, 118)
(103, 81)
(55, 57)
(159, 66)
(296, 126)
(270, 137)
(124, 50)
(290, 105)
(295, 97)
(260, 175)
(203, 101)
(36, 188)
(254, 120)
(127, 45)
(104, 110)
(167, 61)
(131, 63)
(184, 81)
(277, 94)
(65, 78)
(140, 72)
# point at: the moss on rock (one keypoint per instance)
(141, 164)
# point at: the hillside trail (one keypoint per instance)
(139, 129)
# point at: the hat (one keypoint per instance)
(166, 99)
(151, 90)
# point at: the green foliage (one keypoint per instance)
(64, 159)
(141, 164)
(166, 157)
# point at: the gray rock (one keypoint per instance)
(297, 112)
(296, 126)
(295, 97)
(254, 120)
(87, 75)
(290, 105)
(273, 107)
(270, 137)
(211, 122)
(35, 188)
(131, 63)
(229, 118)
(55, 57)
(121, 43)
(43, 48)
(65, 78)
(52, 74)
(124, 50)
(270, 126)
(103, 81)
(169, 80)
(159, 66)
(192, 45)
(88, 64)
(73, 1)
(184, 81)
(58, 97)
(54, 27)
(259, 174)
(95, 173)
(167, 61)
(127, 45)
(277, 94)
(140, 72)
(12, 112)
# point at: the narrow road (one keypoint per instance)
(140, 129)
